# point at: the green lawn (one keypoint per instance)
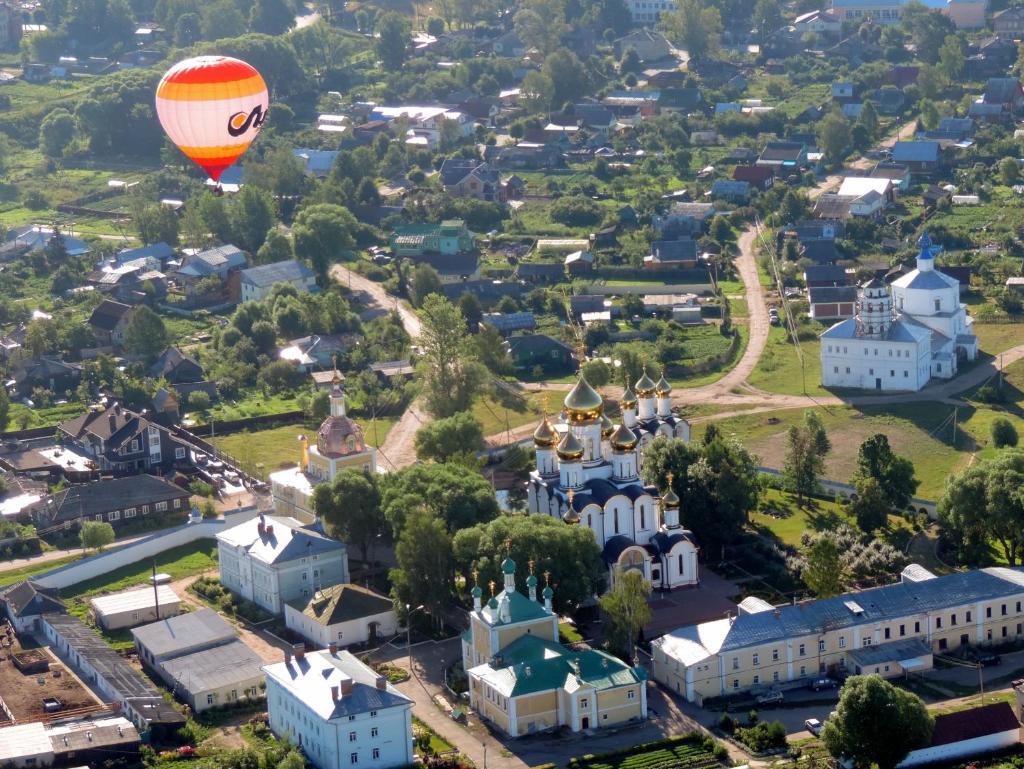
(10, 576)
(995, 338)
(254, 405)
(780, 370)
(263, 451)
(178, 562)
(568, 634)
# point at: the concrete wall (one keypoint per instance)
(104, 563)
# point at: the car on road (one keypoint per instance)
(773, 697)
(986, 659)
(820, 684)
(813, 725)
(774, 320)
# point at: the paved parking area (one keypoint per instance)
(707, 601)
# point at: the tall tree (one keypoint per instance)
(871, 507)
(823, 572)
(542, 31)
(156, 223)
(451, 376)
(351, 507)
(321, 233)
(895, 474)
(834, 135)
(145, 334)
(5, 408)
(95, 535)
(951, 58)
(445, 439)
(694, 27)
(277, 247)
(56, 132)
(425, 282)
(425, 575)
(627, 611)
(767, 17)
(271, 17)
(806, 448)
(876, 723)
(537, 92)
(392, 39)
(568, 555)
(568, 76)
(251, 215)
(457, 495)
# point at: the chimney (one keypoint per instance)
(346, 686)
(381, 683)
(270, 529)
(287, 657)
(261, 528)
(112, 420)
(300, 652)
(335, 693)
(332, 647)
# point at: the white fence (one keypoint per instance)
(104, 563)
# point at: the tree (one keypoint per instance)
(450, 374)
(271, 17)
(56, 132)
(156, 223)
(869, 119)
(834, 135)
(425, 575)
(929, 114)
(537, 92)
(187, 29)
(425, 282)
(985, 503)
(627, 611)
(351, 507)
(471, 310)
(251, 215)
(1009, 171)
(694, 27)
(929, 83)
(145, 334)
(540, 31)
(277, 247)
(876, 723)
(767, 17)
(443, 439)
(567, 554)
(895, 474)
(575, 211)
(199, 400)
(823, 572)
(928, 30)
(630, 62)
(457, 495)
(597, 372)
(1003, 432)
(871, 507)
(951, 58)
(95, 535)
(5, 408)
(716, 481)
(568, 76)
(320, 233)
(807, 447)
(392, 39)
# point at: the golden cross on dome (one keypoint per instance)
(671, 477)
(491, 586)
(476, 577)
(572, 493)
(530, 564)
(508, 546)
(547, 578)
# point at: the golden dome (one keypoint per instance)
(628, 400)
(583, 403)
(607, 426)
(663, 387)
(623, 439)
(570, 516)
(645, 386)
(545, 436)
(570, 449)
(670, 498)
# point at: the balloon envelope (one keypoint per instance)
(212, 107)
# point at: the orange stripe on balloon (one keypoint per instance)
(223, 151)
(252, 86)
(213, 72)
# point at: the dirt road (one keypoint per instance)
(377, 296)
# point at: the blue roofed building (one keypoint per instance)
(918, 156)
(317, 163)
(257, 282)
(888, 631)
(158, 251)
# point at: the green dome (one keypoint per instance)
(531, 581)
(508, 566)
(476, 592)
(548, 592)
(493, 603)
(583, 398)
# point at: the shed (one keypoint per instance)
(135, 607)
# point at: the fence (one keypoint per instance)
(671, 288)
(103, 563)
(927, 506)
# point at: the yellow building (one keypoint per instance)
(340, 445)
(887, 630)
(523, 681)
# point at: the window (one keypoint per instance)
(775, 676)
(373, 714)
(1018, 607)
(735, 663)
(177, 504)
(179, 452)
(938, 622)
(821, 644)
(145, 509)
(906, 374)
(842, 642)
(757, 659)
(847, 369)
(631, 694)
(938, 305)
(113, 515)
(952, 619)
(1004, 631)
(871, 372)
(209, 699)
(135, 445)
(351, 718)
(376, 754)
(305, 576)
(775, 655)
(735, 683)
(1003, 610)
(351, 736)
(160, 507)
(584, 703)
(835, 369)
(129, 512)
(643, 517)
(887, 634)
(757, 680)
(803, 650)
(988, 612)
(353, 758)
(865, 642)
(917, 627)
(892, 372)
(968, 616)
(616, 522)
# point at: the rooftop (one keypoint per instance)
(283, 539)
(341, 603)
(176, 635)
(976, 722)
(214, 668)
(133, 600)
(266, 275)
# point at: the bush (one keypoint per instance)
(576, 211)
(198, 400)
(727, 723)
(201, 489)
(763, 736)
(1003, 433)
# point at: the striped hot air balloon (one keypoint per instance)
(212, 107)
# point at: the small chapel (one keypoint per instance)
(588, 474)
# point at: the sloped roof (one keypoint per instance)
(823, 294)
(266, 275)
(114, 494)
(971, 724)
(184, 633)
(290, 540)
(108, 314)
(916, 152)
(342, 603)
(27, 598)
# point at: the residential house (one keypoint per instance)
(921, 157)
(649, 11)
(257, 282)
(270, 560)
(672, 254)
(453, 268)
(131, 282)
(200, 659)
(26, 602)
(858, 186)
(957, 128)
(482, 109)
(122, 441)
(579, 262)
(487, 291)
(425, 123)
(967, 14)
(524, 156)
(531, 350)
(820, 275)
(759, 177)
(734, 191)
(818, 22)
(989, 113)
(508, 323)
(534, 272)
(932, 195)
(318, 351)
(1009, 22)
(1006, 92)
(317, 163)
(220, 262)
(108, 322)
(683, 100)
(97, 740)
(118, 501)
(175, 367)
(889, 101)
(832, 302)
(136, 606)
(832, 206)
(37, 238)
(509, 44)
(469, 178)
(342, 615)
(159, 253)
(683, 219)
(110, 675)
(990, 57)
(596, 118)
(886, 630)
(966, 735)
(649, 45)
(820, 251)
(415, 240)
(897, 173)
(340, 712)
(784, 155)
(842, 91)
(818, 229)
(51, 374)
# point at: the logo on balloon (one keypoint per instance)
(241, 122)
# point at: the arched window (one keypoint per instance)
(643, 517)
(616, 521)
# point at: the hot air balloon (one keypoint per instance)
(212, 107)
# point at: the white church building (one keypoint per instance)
(903, 335)
(588, 474)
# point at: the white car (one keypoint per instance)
(813, 725)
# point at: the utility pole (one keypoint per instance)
(1000, 372)
(156, 592)
(981, 682)
(956, 409)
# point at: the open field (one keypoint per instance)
(507, 413)
(780, 371)
(10, 576)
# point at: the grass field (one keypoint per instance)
(264, 451)
(780, 371)
(508, 413)
(178, 562)
(10, 576)
(995, 338)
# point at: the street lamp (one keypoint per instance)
(409, 611)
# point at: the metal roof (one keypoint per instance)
(290, 540)
(919, 152)
(23, 741)
(133, 600)
(214, 668)
(178, 635)
(928, 280)
(266, 275)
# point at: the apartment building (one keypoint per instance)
(886, 630)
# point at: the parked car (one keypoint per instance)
(985, 659)
(773, 697)
(813, 725)
(820, 684)
(774, 320)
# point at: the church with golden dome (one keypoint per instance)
(588, 474)
(340, 445)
